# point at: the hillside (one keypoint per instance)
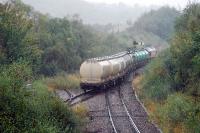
(170, 86)
(155, 27)
(159, 22)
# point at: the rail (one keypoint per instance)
(127, 112)
(109, 113)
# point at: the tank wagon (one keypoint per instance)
(101, 72)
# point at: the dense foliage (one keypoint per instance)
(16, 41)
(159, 22)
(50, 45)
(173, 79)
(25, 109)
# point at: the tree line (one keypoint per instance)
(173, 79)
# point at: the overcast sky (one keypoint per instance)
(175, 3)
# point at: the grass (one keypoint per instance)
(63, 81)
(80, 110)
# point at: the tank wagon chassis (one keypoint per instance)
(104, 72)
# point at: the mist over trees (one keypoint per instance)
(89, 12)
(154, 27)
(159, 22)
(53, 45)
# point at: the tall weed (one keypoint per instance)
(63, 81)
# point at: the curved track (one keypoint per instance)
(127, 112)
(119, 115)
(137, 111)
(115, 110)
(119, 111)
(110, 114)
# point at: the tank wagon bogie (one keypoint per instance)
(98, 73)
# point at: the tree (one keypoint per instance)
(16, 40)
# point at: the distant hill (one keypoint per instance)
(90, 13)
(159, 22)
(154, 28)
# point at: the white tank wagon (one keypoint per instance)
(97, 73)
(100, 72)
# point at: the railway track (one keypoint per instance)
(119, 115)
(127, 112)
(115, 110)
(110, 114)
(118, 110)
(137, 111)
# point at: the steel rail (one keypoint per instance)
(127, 112)
(109, 113)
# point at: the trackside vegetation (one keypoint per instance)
(170, 86)
(63, 81)
(35, 109)
(26, 103)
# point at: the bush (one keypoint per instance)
(193, 119)
(176, 108)
(31, 110)
(156, 80)
(81, 110)
(63, 81)
(179, 109)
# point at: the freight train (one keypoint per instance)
(99, 73)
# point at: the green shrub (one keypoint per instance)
(34, 109)
(177, 107)
(193, 120)
(156, 81)
(180, 109)
(63, 81)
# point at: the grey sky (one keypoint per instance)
(101, 13)
(175, 3)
